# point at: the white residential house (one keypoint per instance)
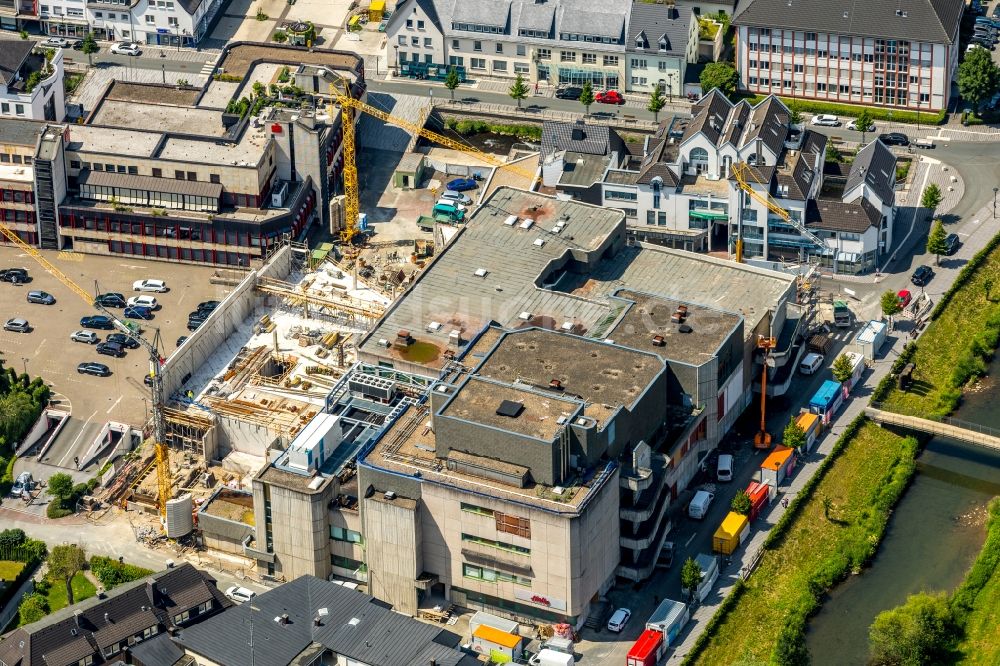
(31, 86)
(662, 40)
(900, 54)
(154, 22)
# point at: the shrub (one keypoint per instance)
(280, 36)
(56, 510)
(852, 110)
(983, 569)
(111, 572)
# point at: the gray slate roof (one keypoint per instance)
(934, 21)
(13, 53)
(355, 625)
(875, 165)
(834, 215)
(657, 21)
(578, 137)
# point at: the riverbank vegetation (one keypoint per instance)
(831, 529)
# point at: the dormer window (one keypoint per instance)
(640, 41)
(664, 43)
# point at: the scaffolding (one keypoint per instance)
(295, 295)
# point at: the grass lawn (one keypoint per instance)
(814, 545)
(82, 589)
(9, 570)
(944, 341)
(982, 638)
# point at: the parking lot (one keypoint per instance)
(48, 351)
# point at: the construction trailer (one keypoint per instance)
(731, 533)
(778, 466)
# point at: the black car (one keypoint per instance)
(922, 275)
(138, 312)
(984, 42)
(996, 12)
(569, 93)
(951, 242)
(123, 340)
(111, 300)
(194, 323)
(14, 275)
(181, 340)
(41, 297)
(99, 322)
(207, 306)
(894, 139)
(111, 349)
(96, 369)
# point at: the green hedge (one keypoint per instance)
(965, 275)
(112, 572)
(852, 111)
(466, 127)
(888, 382)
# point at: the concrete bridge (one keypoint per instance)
(971, 433)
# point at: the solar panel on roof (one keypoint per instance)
(510, 408)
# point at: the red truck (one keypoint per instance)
(647, 650)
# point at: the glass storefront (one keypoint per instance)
(573, 76)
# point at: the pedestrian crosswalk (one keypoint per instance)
(208, 69)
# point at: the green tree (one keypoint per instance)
(259, 89)
(13, 537)
(842, 370)
(89, 47)
(863, 122)
(832, 154)
(33, 608)
(691, 576)
(890, 304)
(978, 77)
(587, 96)
(794, 437)
(921, 631)
(66, 561)
(451, 82)
(741, 503)
(656, 102)
(518, 90)
(60, 486)
(931, 198)
(721, 75)
(936, 244)
(795, 117)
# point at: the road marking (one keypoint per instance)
(40, 345)
(114, 405)
(72, 447)
(690, 539)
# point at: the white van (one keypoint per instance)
(548, 657)
(724, 470)
(699, 505)
(811, 363)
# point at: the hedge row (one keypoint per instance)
(852, 111)
(15, 546)
(966, 274)
(466, 127)
(887, 383)
(774, 538)
(112, 572)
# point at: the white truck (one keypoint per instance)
(548, 657)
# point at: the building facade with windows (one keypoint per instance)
(157, 22)
(17, 174)
(31, 81)
(662, 40)
(898, 55)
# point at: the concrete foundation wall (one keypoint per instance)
(393, 534)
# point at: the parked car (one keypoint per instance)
(922, 275)
(724, 469)
(17, 325)
(96, 369)
(570, 92)
(126, 48)
(853, 125)
(450, 202)
(951, 243)
(111, 349)
(240, 594)
(984, 43)
(157, 286)
(996, 12)
(181, 340)
(111, 300)
(143, 302)
(609, 97)
(894, 139)
(207, 306)
(97, 321)
(810, 363)
(826, 120)
(619, 619)
(698, 507)
(904, 297)
(458, 197)
(14, 275)
(194, 323)
(137, 312)
(88, 337)
(461, 184)
(125, 341)
(23, 483)
(41, 297)
(54, 43)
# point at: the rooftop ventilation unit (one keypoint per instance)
(434, 326)
(556, 229)
(481, 272)
(567, 326)
(524, 316)
(555, 384)
(558, 490)
(528, 222)
(511, 220)
(562, 420)
(390, 495)
(510, 408)
(659, 341)
(384, 343)
(539, 242)
(684, 328)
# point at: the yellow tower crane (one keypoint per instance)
(348, 104)
(741, 171)
(159, 423)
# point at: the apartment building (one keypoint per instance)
(892, 54)
(17, 175)
(156, 22)
(662, 40)
(561, 42)
(31, 81)
(203, 186)
(679, 187)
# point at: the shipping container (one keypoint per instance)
(494, 642)
(857, 368)
(871, 338)
(809, 423)
(503, 624)
(731, 533)
(669, 619)
(709, 565)
(760, 498)
(778, 466)
(647, 650)
(827, 400)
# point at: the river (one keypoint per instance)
(932, 538)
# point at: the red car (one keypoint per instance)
(609, 97)
(904, 297)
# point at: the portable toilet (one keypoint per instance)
(778, 466)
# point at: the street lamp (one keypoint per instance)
(24, 360)
(995, 190)
(430, 91)
(670, 91)
(395, 68)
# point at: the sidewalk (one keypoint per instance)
(980, 228)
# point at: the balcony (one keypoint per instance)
(635, 480)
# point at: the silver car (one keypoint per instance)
(88, 337)
(17, 326)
